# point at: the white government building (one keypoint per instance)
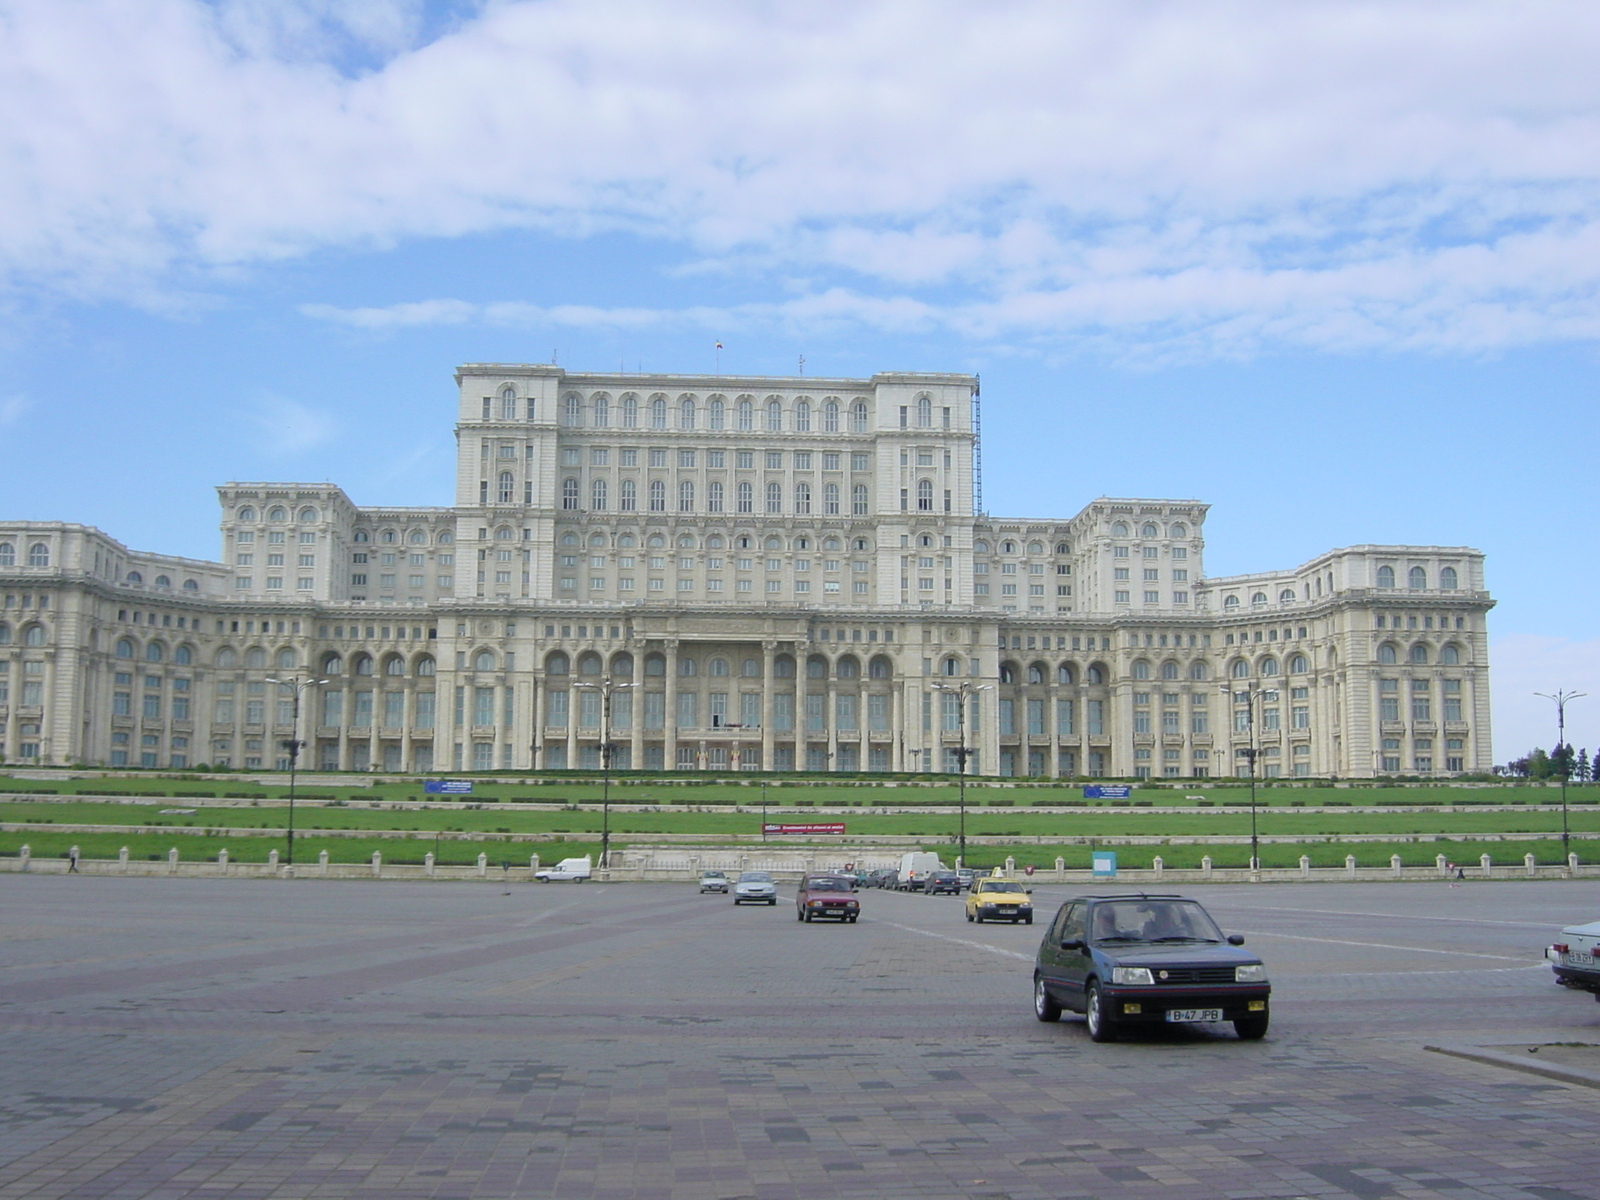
(758, 574)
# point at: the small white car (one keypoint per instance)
(713, 881)
(575, 869)
(755, 887)
(1575, 959)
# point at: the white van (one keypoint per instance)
(575, 869)
(915, 868)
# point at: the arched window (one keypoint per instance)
(286, 660)
(1419, 653)
(1149, 531)
(655, 664)
(33, 635)
(1095, 674)
(1231, 602)
(255, 659)
(602, 410)
(163, 581)
(361, 664)
(569, 494)
(426, 666)
(308, 515)
(658, 412)
(622, 666)
(1141, 669)
(1286, 595)
(247, 513)
(830, 499)
(630, 412)
(1064, 674)
(687, 666)
(1169, 670)
(830, 417)
(1269, 666)
(924, 412)
(1258, 598)
(802, 416)
(1450, 656)
(1447, 579)
(572, 410)
(686, 413)
(816, 667)
(508, 488)
(1416, 578)
(1387, 654)
(277, 514)
(848, 668)
(1386, 577)
(125, 650)
(589, 663)
(135, 577)
(879, 668)
(8, 555)
(183, 656)
(717, 668)
(802, 499)
(332, 664)
(774, 497)
(858, 500)
(155, 652)
(658, 495)
(484, 661)
(716, 411)
(747, 414)
(190, 585)
(227, 658)
(597, 495)
(774, 415)
(1119, 529)
(1299, 665)
(924, 495)
(1199, 670)
(951, 666)
(1178, 531)
(783, 667)
(1035, 672)
(361, 535)
(745, 501)
(39, 555)
(508, 403)
(388, 536)
(1008, 672)
(1241, 669)
(858, 417)
(5, 634)
(685, 495)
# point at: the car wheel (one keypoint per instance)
(1100, 1029)
(978, 918)
(799, 915)
(853, 919)
(1251, 1029)
(1044, 1004)
(807, 918)
(1027, 920)
(969, 917)
(773, 902)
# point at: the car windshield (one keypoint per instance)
(1153, 921)
(714, 875)
(827, 885)
(1001, 887)
(755, 877)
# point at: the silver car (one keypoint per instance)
(713, 881)
(755, 887)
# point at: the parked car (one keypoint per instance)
(575, 869)
(755, 887)
(968, 877)
(713, 881)
(915, 867)
(888, 878)
(1575, 958)
(999, 900)
(942, 883)
(1134, 960)
(826, 896)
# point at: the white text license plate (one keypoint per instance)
(1577, 958)
(1186, 1015)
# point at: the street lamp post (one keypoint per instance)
(293, 745)
(605, 687)
(962, 692)
(1250, 754)
(1561, 699)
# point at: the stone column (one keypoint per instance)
(669, 731)
(769, 666)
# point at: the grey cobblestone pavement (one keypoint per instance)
(241, 1039)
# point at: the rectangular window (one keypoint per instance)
(1094, 717)
(424, 710)
(783, 712)
(655, 711)
(845, 710)
(363, 713)
(1300, 717)
(555, 711)
(394, 709)
(1064, 718)
(877, 713)
(1036, 717)
(688, 710)
(816, 712)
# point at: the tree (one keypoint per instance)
(1561, 762)
(1582, 772)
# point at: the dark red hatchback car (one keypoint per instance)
(826, 896)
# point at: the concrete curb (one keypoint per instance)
(1512, 1062)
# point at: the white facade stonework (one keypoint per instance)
(779, 569)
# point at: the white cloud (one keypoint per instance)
(289, 427)
(1525, 664)
(1211, 178)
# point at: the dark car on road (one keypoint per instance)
(826, 896)
(1142, 960)
(942, 883)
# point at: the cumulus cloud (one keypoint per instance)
(1525, 664)
(1212, 178)
(287, 426)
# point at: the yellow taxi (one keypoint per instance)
(999, 900)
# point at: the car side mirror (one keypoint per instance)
(1236, 939)
(1072, 944)
(1028, 890)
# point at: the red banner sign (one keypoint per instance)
(839, 828)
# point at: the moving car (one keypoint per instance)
(946, 883)
(1147, 960)
(574, 869)
(1575, 958)
(826, 896)
(968, 876)
(915, 867)
(755, 887)
(999, 900)
(713, 881)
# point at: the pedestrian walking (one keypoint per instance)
(72, 861)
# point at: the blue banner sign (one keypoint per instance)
(1106, 791)
(1103, 864)
(447, 787)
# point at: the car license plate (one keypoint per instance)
(1007, 910)
(1192, 1015)
(1576, 958)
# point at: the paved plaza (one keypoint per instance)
(180, 1038)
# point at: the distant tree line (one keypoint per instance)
(1537, 765)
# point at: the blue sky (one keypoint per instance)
(1332, 267)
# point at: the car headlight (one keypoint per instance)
(1254, 973)
(1131, 975)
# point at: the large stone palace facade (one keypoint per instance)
(732, 573)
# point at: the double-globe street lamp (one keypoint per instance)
(298, 686)
(1251, 752)
(605, 688)
(1562, 698)
(962, 692)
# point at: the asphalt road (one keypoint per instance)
(182, 1038)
